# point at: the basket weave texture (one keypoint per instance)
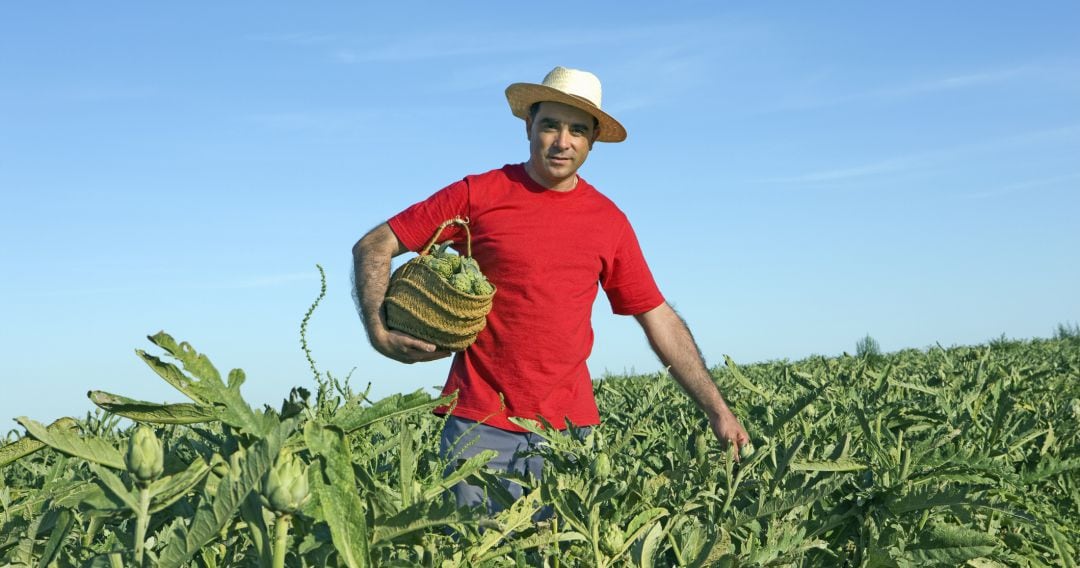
(422, 304)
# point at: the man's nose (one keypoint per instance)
(563, 139)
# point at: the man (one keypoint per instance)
(546, 239)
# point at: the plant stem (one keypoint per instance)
(281, 539)
(142, 519)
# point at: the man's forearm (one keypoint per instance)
(673, 343)
(371, 273)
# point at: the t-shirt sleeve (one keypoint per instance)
(627, 280)
(415, 225)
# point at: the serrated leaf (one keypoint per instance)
(340, 504)
(114, 485)
(207, 389)
(464, 470)
(929, 497)
(742, 380)
(69, 442)
(949, 545)
(834, 465)
(420, 517)
(142, 411)
(170, 488)
(353, 416)
(26, 445)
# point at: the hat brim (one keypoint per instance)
(521, 96)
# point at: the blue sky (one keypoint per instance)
(799, 174)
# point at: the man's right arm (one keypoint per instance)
(371, 266)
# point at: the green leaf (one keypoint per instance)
(641, 523)
(464, 470)
(112, 482)
(61, 529)
(339, 502)
(172, 375)
(141, 411)
(207, 389)
(742, 380)
(929, 497)
(402, 527)
(169, 489)
(69, 442)
(949, 545)
(27, 445)
(352, 416)
(835, 465)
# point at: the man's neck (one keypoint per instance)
(570, 186)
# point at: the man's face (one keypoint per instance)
(560, 137)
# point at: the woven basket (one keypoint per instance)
(420, 303)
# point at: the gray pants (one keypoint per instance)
(462, 439)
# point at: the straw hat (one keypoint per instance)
(579, 89)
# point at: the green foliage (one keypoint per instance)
(948, 457)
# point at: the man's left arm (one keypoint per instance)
(670, 338)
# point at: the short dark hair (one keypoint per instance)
(535, 108)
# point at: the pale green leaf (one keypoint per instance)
(26, 445)
(141, 411)
(69, 442)
(354, 416)
(339, 502)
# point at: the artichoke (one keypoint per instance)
(612, 541)
(145, 458)
(601, 467)
(461, 272)
(481, 287)
(285, 487)
(462, 282)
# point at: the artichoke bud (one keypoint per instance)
(601, 466)
(145, 458)
(481, 287)
(612, 542)
(285, 487)
(462, 282)
(746, 451)
(701, 446)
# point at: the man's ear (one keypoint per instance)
(528, 128)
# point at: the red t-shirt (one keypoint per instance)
(545, 251)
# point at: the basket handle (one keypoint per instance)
(455, 221)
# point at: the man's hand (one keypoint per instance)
(729, 431)
(406, 348)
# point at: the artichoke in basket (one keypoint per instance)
(463, 273)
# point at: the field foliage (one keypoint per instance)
(961, 456)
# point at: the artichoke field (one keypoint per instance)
(962, 456)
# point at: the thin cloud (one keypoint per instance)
(1022, 186)
(923, 160)
(326, 121)
(844, 174)
(255, 282)
(893, 93)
